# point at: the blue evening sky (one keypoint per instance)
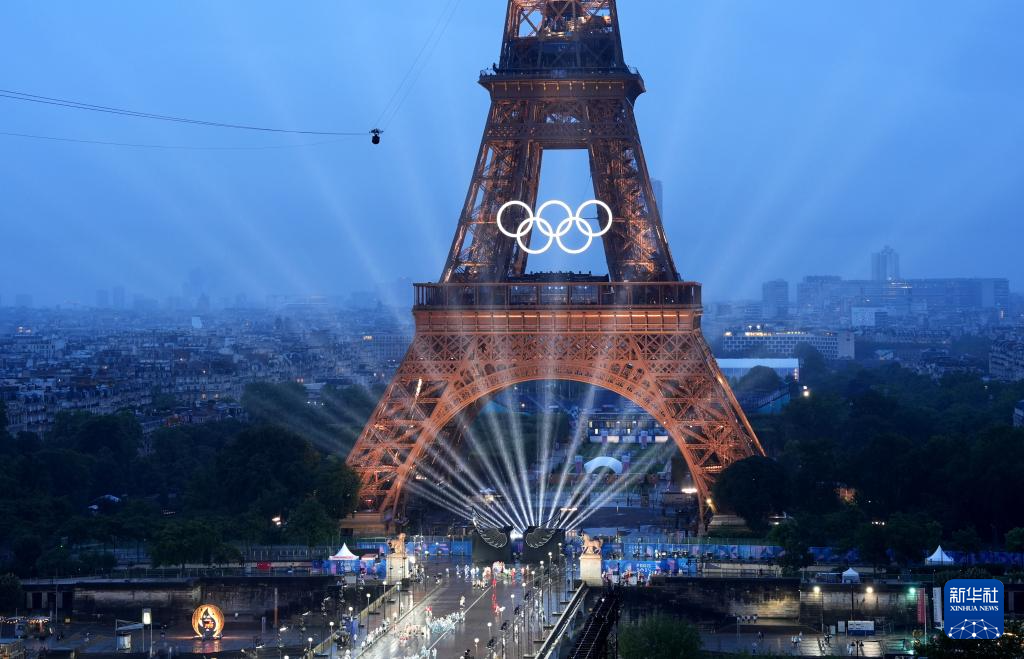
(793, 137)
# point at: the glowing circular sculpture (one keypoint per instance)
(554, 234)
(208, 621)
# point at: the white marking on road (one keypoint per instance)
(487, 590)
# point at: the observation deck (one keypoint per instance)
(558, 306)
(535, 294)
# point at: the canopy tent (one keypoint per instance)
(851, 576)
(939, 558)
(344, 555)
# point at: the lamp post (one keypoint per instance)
(476, 646)
(821, 606)
(147, 621)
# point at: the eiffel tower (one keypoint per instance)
(561, 83)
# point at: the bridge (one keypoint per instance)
(517, 617)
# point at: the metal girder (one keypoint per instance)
(508, 169)
(672, 375)
(561, 34)
(561, 84)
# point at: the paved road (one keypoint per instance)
(482, 606)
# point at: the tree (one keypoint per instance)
(310, 524)
(1015, 540)
(337, 487)
(791, 538)
(185, 541)
(911, 535)
(968, 541)
(27, 549)
(813, 367)
(333, 423)
(659, 637)
(11, 595)
(759, 378)
(120, 434)
(753, 488)
(873, 543)
(1010, 646)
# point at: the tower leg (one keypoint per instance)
(669, 374)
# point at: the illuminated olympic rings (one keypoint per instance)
(554, 234)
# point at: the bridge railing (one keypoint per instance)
(551, 643)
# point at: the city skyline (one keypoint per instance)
(725, 348)
(775, 164)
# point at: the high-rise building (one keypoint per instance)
(829, 298)
(119, 297)
(102, 299)
(885, 265)
(1006, 360)
(760, 341)
(775, 299)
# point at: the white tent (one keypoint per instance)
(344, 555)
(851, 576)
(939, 558)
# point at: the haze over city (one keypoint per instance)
(790, 139)
(299, 356)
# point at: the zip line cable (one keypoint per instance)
(408, 89)
(169, 147)
(442, 24)
(47, 100)
(387, 115)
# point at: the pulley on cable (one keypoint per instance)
(376, 133)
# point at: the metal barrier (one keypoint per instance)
(551, 641)
(324, 647)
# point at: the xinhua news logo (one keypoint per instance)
(973, 609)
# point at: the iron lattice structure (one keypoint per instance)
(561, 84)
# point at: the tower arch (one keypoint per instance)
(487, 324)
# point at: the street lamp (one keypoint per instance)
(147, 621)
(821, 606)
(476, 646)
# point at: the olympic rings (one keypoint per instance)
(552, 233)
